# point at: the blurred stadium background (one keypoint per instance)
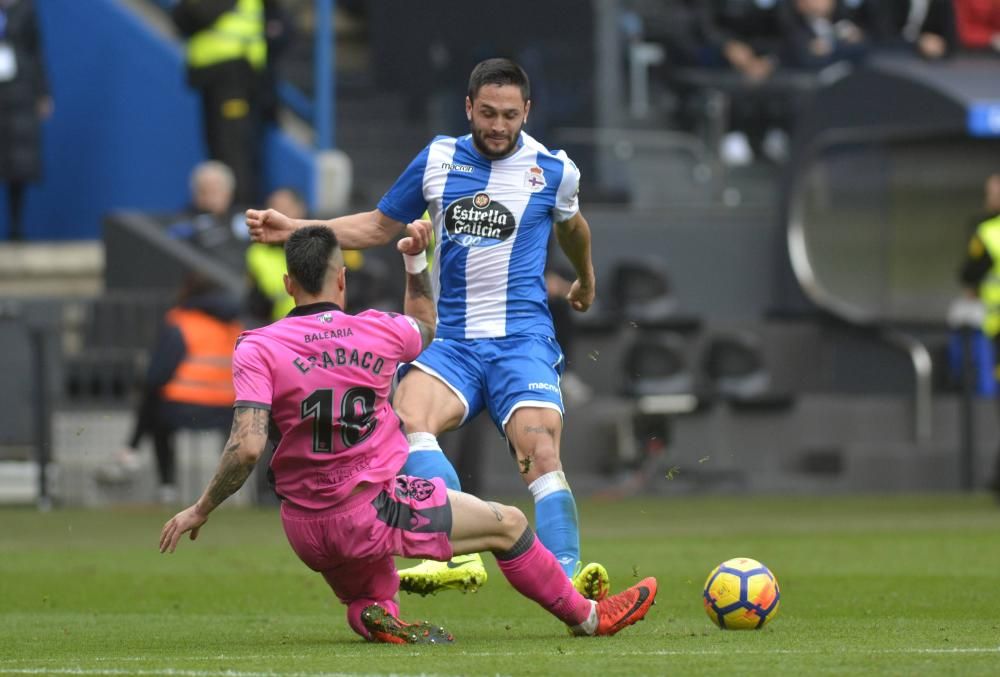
(773, 326)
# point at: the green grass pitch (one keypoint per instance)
(879, 586)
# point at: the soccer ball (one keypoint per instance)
(741, 594)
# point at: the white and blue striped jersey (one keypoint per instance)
(492, 221)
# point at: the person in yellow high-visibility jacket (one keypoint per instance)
(267, 301)
(980, 278)
(226, 60)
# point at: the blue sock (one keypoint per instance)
(427, 460)
(556, 520)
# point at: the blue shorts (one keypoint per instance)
(501, 374)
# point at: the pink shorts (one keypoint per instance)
(353, 544)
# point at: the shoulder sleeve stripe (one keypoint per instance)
(251, 405)
(404, 201)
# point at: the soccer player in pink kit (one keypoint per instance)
(324, 377)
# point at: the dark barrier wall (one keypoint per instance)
(887, 170)
(427, 54)
(126, 130)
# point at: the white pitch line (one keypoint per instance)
(172, 672)
(148, 659)
(814, 652)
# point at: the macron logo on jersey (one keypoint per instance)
(465, 169)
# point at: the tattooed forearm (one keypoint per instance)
(248, 422)
(230, 476)
(419, 286)
(419, 304)
(496, 510)
(260, 421)
(248, 435)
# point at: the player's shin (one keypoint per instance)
(426, 460)
(556, 519)
(535, 573)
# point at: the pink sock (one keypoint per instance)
(355, 608)
(536, 574)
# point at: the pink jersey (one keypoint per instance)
(326, 375)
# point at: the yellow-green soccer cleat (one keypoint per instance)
(592, 581)
(463, 572)
(386, 628)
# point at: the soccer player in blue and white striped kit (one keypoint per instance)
(493, 196)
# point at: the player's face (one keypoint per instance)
(496, 117)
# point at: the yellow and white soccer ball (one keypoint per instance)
(741, 594)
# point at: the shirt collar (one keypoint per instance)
(313, 308)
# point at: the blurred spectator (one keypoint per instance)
(746, 36)
(24, 103)
(267, 299)
(188, 382)
(871, 16)
(925, 26)
(674, 26)
(671, 23)
(816, 38)
(211, 221)
(280, 32)
(743, 34)
(981, 255)
(978, 24)
(980, 276)
(226, 60)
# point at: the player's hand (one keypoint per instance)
(581, 295)
(418, 236)
(189, 519)
(268, 226)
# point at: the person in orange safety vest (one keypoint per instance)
(189, 380)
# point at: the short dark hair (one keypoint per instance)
(307, 256)
(498, 72)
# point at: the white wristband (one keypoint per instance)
(415, 263)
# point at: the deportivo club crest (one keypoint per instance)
(478, 221)
(534, 179)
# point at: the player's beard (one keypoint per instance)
(479, 139)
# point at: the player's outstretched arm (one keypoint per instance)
(419, 300)
(573, 236)
(247, 441)
(354, 231)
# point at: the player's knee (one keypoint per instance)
(545, 459)
(411, 423)
(413, 417)
(515, 522)
(517, 535)
(509, 527)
